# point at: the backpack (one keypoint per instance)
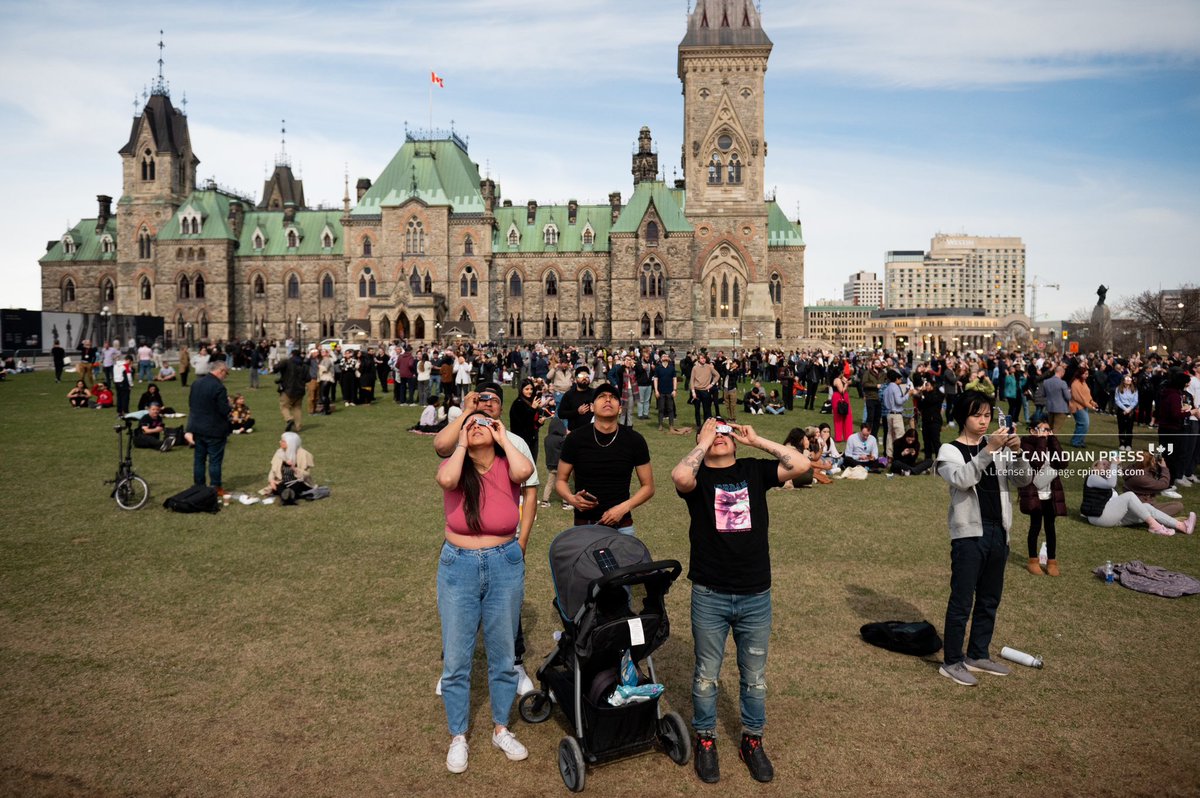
(196, 499)
(917, 638)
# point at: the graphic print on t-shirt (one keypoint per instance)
(732, 507)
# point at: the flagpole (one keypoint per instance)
(431, 73)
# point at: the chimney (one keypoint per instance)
(508, 203)
(614, 202)
(289, 212)
(362, 187)
(50, 244)
(680, 184)
(530, 211)
(572, 211)
(103, 212)
(487, 188)
(235, 218)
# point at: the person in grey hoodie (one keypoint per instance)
(1058, 397)
(980, 469)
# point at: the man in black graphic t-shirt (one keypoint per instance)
(730, 570)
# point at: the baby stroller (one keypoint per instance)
(599, 576)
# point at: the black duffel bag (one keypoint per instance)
(196, 499)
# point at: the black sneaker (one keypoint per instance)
(291, 426)
(707, 767)
(755, 757)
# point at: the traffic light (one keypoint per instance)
(1064, 335)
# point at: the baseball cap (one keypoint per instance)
(492, 387)
(582, 369)
(606, 387)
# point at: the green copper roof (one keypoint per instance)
(309, 227)
(668, 203)
(88, 245)
(435, 172)
(533, 236)
(213, 207)
(782, 232)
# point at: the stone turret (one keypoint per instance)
(645, 160)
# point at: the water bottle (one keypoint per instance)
(1043, 556)
(1108, 572)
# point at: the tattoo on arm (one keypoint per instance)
(694, 459)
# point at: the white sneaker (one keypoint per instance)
(1182, 483)
(1171, 494)
(524, 683)
(507, 742)
(456, 757)
(438, 689)
(1193, 479)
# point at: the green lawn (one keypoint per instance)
(293, 651)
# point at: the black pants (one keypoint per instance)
(1125, 428)
(704, 398)
(874, 415)
(931, 434)
(1043, 517)
(976, 580)
(871, 465)
(899, 466)
(785, 388)
(1014, 408)
(810, 396)
(58, 370)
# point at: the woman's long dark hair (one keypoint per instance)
(472, 486)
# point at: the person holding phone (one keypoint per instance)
(602, 457)
(979, 470)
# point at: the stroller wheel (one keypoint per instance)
(673, 734)
(535, 707)
(570, 764)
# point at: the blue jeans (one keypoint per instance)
(976, 585)
(714, 615)
(212, 450)
(146, 370)
(1082, 422)
(644, 394)
(474, 587)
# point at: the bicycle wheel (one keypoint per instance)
(131, 493)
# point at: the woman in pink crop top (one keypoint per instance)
(481, 577)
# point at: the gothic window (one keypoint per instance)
(588, 288)
(551, 285)
(414, 237)
(778, 328)
(185, 287)
(147, 291)
(199, 286)
(366, 248)
(468, 246)
(737, 296)
(735, 169)
(428, 283)
(293, 240)
(191, 253)
(178, 252)
(180, 327)
(652, 279)
(419, 327)
(589, 236)
(107, 291)
(658, 325)
(550, 235)
(554, 324)
(724, 296)
(200, 253)
(107, 245)
(327, 287)
(514, 285)
(645, 325)
(260, 287)
(519, 333)
(68, 245)
(652, 234)
(327, 240)
(371, 287)
(293, 287)
(547, 325)
(144, 244)
(259, 241)
(714, 170)
(463, 285)
(776, 289)
(414, 281)
(712, 298)
(514, 237)
(468, 285)
(464, 316)
(512, 326)
(591, 326)
(68, 291)
(147, 165)
(203, 325)
(385, 328)
(644, 279)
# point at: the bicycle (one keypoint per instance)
(130, 491)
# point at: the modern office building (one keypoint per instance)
(959, 272)
(863, 288)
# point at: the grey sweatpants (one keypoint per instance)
(1127, 510)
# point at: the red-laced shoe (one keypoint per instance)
(752, 753)
(707, 766)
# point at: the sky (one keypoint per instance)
(1073, 124)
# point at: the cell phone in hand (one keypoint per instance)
(587, 495)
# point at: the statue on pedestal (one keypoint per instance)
(1101, 328)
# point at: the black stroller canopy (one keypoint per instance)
(573, 563)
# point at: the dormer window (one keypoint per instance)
(259, 239)
(293, 238)
(107, 245)
(589, 235)
(327, 238)
(189, 222)
(514, 236)
(550, 235)
(68, 245)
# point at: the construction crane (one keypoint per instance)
(1033, 286)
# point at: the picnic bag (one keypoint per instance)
(196, 499)
(917, 638)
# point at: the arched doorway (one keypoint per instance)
(402, 325)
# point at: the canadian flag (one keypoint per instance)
(435, 78)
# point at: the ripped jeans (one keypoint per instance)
(714, 615)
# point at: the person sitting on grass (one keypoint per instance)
(862, 450)
(291, 464)
(1149, 477)
(756, 400)
(829, 451)
(150, 431)
(101, 396)
(151, 396)
(166, 373)
(1103, 506)
(240, 419)
(907, 449)
(431, 421)
(979, 470)
(774, 403)
(805, 441)
(79, 395)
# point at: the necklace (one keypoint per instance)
(597, 437)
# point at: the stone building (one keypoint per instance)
(430, 250)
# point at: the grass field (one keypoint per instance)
(293, 651)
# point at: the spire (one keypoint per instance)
(160, 85)
(724, 22)
(282, 158)
(346, 194)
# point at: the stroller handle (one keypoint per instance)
(635, 574)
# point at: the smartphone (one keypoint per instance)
(1005, 421)
(587, 496)
(724, 429)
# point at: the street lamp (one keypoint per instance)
(190, 340)
(104, 314)
(437, 332)
(299, 333)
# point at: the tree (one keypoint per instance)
(1169, 318)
